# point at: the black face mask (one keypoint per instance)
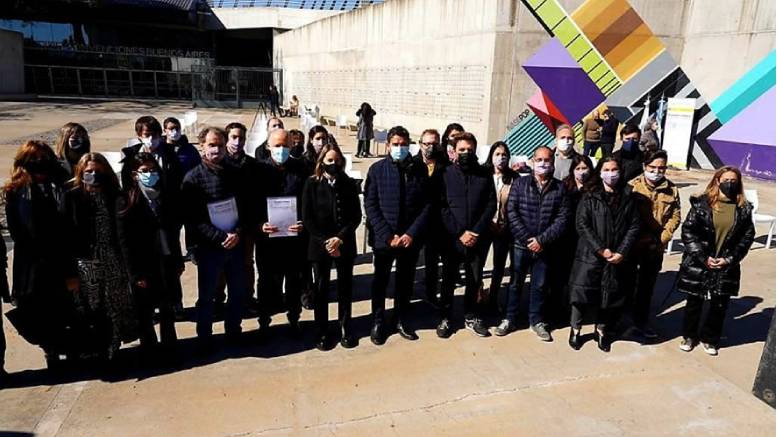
(331, 169)
(467, 161)
(296, 151)
(730, 189)
(37, 167)
(78, 144)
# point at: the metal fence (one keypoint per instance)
(211, 86)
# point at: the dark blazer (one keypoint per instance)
(172, 172)
(143, 234)
(468, 203)
(387, 213)
(188, 156)
(531, 213)
(698, 235)
(288, 180)
(331, 211)
(593, 280)
(82, 214)
(40, 229)
(631, 162)
(434, 187)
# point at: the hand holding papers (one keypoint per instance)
(223, 214)
(282, 217)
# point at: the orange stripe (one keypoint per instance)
(599, 24)
(591, 10)
(631, 60)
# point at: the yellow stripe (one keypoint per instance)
(591, 10)
(602, 22)
(634, 53)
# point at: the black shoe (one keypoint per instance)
(477, 326)
(406, 333)
(602, 341)
(376, 335)
(347, 340)
(322, 343)
(444, 329)
(574, 339)
(504, 328)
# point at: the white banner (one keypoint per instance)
(677, 130)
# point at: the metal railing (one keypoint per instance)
(210, 86)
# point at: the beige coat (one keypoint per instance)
(659, 209)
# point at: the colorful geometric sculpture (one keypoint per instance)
(527, 135)
(747, 89)
(546, 111)
(563, 81)
(748, 140)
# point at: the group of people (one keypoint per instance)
(96, 256)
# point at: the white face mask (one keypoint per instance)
(543, 168)
(564, 144)
(653, 176)
(611, 177)
(317, 144)
(582, 175)
(174, 135)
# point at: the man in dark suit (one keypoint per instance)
(468, 203)
(397, 211)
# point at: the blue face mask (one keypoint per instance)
(628, 145)
(148, 179)
(398, 153)
(279, 154)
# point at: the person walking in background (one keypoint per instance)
(564, 151)
(45, 274)
(659, 207)
(104, 294)
(214, 213)
(275, 98)
(72, 144)
(331, 213)
(148, 226)
(609, 130)
(650, 142)
(364, 132)
(538, 213)
(468, 205)
(294, 106)
(497, 164)
(592, 134)
(717, 234)
(607, 221)
(397, 214)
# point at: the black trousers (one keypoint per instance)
(709, 329)
(503, 247)
(403, 280)
(647, 266)
(363, 147)
(323, 269)
(280, 262)
(473, 260)
(604, 318)
(431, 268)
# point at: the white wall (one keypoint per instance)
(277, 18)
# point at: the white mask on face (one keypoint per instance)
(564, 144)
(543, 168)
(174, 135)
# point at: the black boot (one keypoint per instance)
(405, 332)
(574, 339)
(376, 335)
(347, 340)
(602, 340)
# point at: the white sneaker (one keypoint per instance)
(687, 345)
(710, 349)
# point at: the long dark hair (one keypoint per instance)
(309, 150)
(507, 173)
(569, 181)
(318, 173)
(132, 192)
(366, 111)
(447, 132)
(594, 183)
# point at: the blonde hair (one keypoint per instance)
(103, 165)
(712, 192)
(67, 131)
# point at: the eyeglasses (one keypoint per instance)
(660, 168)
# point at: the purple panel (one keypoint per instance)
(552, 54)
(754, 160)
(570, 89)
(754, 125)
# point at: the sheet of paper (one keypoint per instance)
(223, 214)
(282, 213)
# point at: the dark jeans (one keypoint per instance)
(158, 294)
(710, 329)
(344, 291)
(525, 261)
(279, 259)
(503, 245)
(646, 267)
(403, 280)
(604, 317)
(473, 260)
(590, 148)
(606, 149)
(211, 263)
(363, 147)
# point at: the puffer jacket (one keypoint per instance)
(544, 215)
(594, 280)
(698, 234)
(388, 214)
(659, 213)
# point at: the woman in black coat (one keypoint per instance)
(607, 222)
(44, 269)
(147, 224)
(331, 213)
(717, 234)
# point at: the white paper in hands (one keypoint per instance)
(223, 214)
(282, 213)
